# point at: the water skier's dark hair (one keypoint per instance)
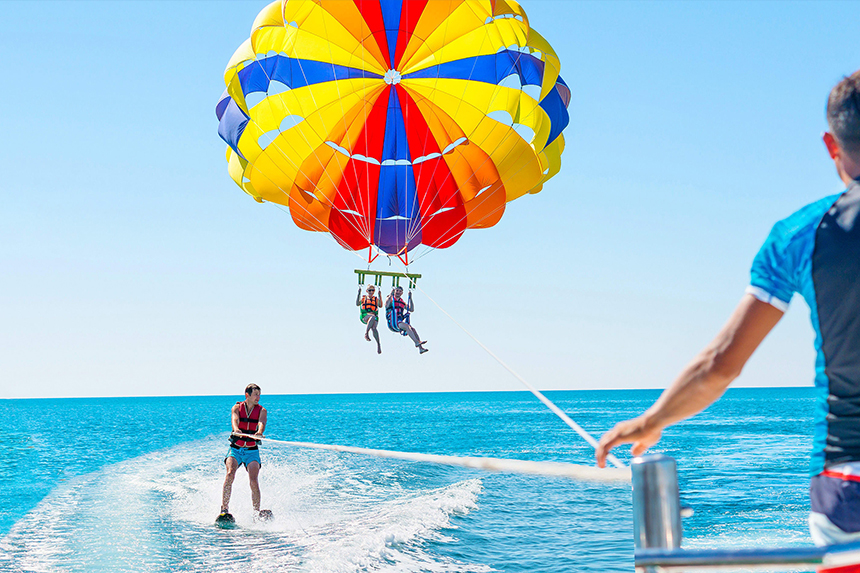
(843, 112)
(249, 389)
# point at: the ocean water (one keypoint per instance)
(133, 484)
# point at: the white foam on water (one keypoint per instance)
(333, 513)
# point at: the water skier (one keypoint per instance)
(815, 252)
(248, 418)
(397, 312)
(369, 305)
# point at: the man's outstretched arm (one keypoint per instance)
(702, 382)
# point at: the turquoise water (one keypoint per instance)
(133, 484)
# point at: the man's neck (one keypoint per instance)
(849, 168)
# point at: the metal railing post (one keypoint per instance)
(657, 516)
(656, 503)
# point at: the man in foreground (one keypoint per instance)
(249, 418)
(814, 252)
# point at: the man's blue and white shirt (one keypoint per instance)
(816, 252)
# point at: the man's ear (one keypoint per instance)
(832, 145)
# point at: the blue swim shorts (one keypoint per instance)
(835, 497)
(244, 456)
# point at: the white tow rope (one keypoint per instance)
(551, 469)
(538, 394)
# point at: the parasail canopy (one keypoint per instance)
(393, 123)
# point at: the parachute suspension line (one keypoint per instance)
(364, 230)
(370, 256)
(460, 102)
(367, 224)
(448, 233)
(287, 195)
(509, 133)
(491, 213)
(355, 194)
(333, 236)
(550, 469)
(538, 394)
(365, 227)
(427, 250)
(371, 225)
(403, 255)
(330, 235)
(414, 228)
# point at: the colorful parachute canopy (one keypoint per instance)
(393, 123)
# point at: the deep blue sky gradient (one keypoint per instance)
(132, 265)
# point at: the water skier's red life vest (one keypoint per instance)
(247, 425)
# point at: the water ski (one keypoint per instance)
(265, 515)
(225, 521)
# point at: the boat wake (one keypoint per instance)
(333, 513)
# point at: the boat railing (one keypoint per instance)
(657, 532)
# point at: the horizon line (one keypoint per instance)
(364, 393)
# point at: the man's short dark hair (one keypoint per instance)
(843, 112)
(249, 389)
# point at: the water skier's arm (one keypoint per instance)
(702, 382)
(261, 425)
(358, 297)
(234, 419)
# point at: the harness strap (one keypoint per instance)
(391, 320)
(846, 477)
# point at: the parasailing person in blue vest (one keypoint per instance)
(397, 314)
(816, 253)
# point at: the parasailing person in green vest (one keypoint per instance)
(369, 305)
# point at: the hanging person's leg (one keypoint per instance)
(371, 325)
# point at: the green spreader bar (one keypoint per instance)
(395, 277)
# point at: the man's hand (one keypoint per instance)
(701, 382)
(633, 431)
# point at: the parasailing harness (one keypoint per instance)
(396, 313)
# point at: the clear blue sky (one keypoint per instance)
(132, 264)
